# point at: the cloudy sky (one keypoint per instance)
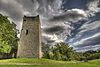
(76, 22)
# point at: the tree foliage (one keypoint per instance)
(8, 35)
(61, 51)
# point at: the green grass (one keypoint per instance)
(25, 62)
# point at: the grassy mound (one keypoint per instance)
(30, 62)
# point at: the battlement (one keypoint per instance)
(31, 18)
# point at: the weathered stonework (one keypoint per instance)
(30, 41)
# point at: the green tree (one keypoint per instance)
(8, 35)
(45, 50)
(61, 51)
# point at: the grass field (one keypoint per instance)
(46, 63)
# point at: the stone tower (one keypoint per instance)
(30, 41)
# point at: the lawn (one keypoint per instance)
(30, 62)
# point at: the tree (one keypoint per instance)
(64, 52)
(8, 35)
(61, 51)
(45, 50)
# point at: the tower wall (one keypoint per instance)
(30, 41)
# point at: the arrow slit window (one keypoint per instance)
(26, 32)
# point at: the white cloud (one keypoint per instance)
(79, 11)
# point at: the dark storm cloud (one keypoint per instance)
(55, 29)
(46, 39)
(71, 15)
(11, 9)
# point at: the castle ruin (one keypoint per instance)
(30, 41)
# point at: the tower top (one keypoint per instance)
(31, 17)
